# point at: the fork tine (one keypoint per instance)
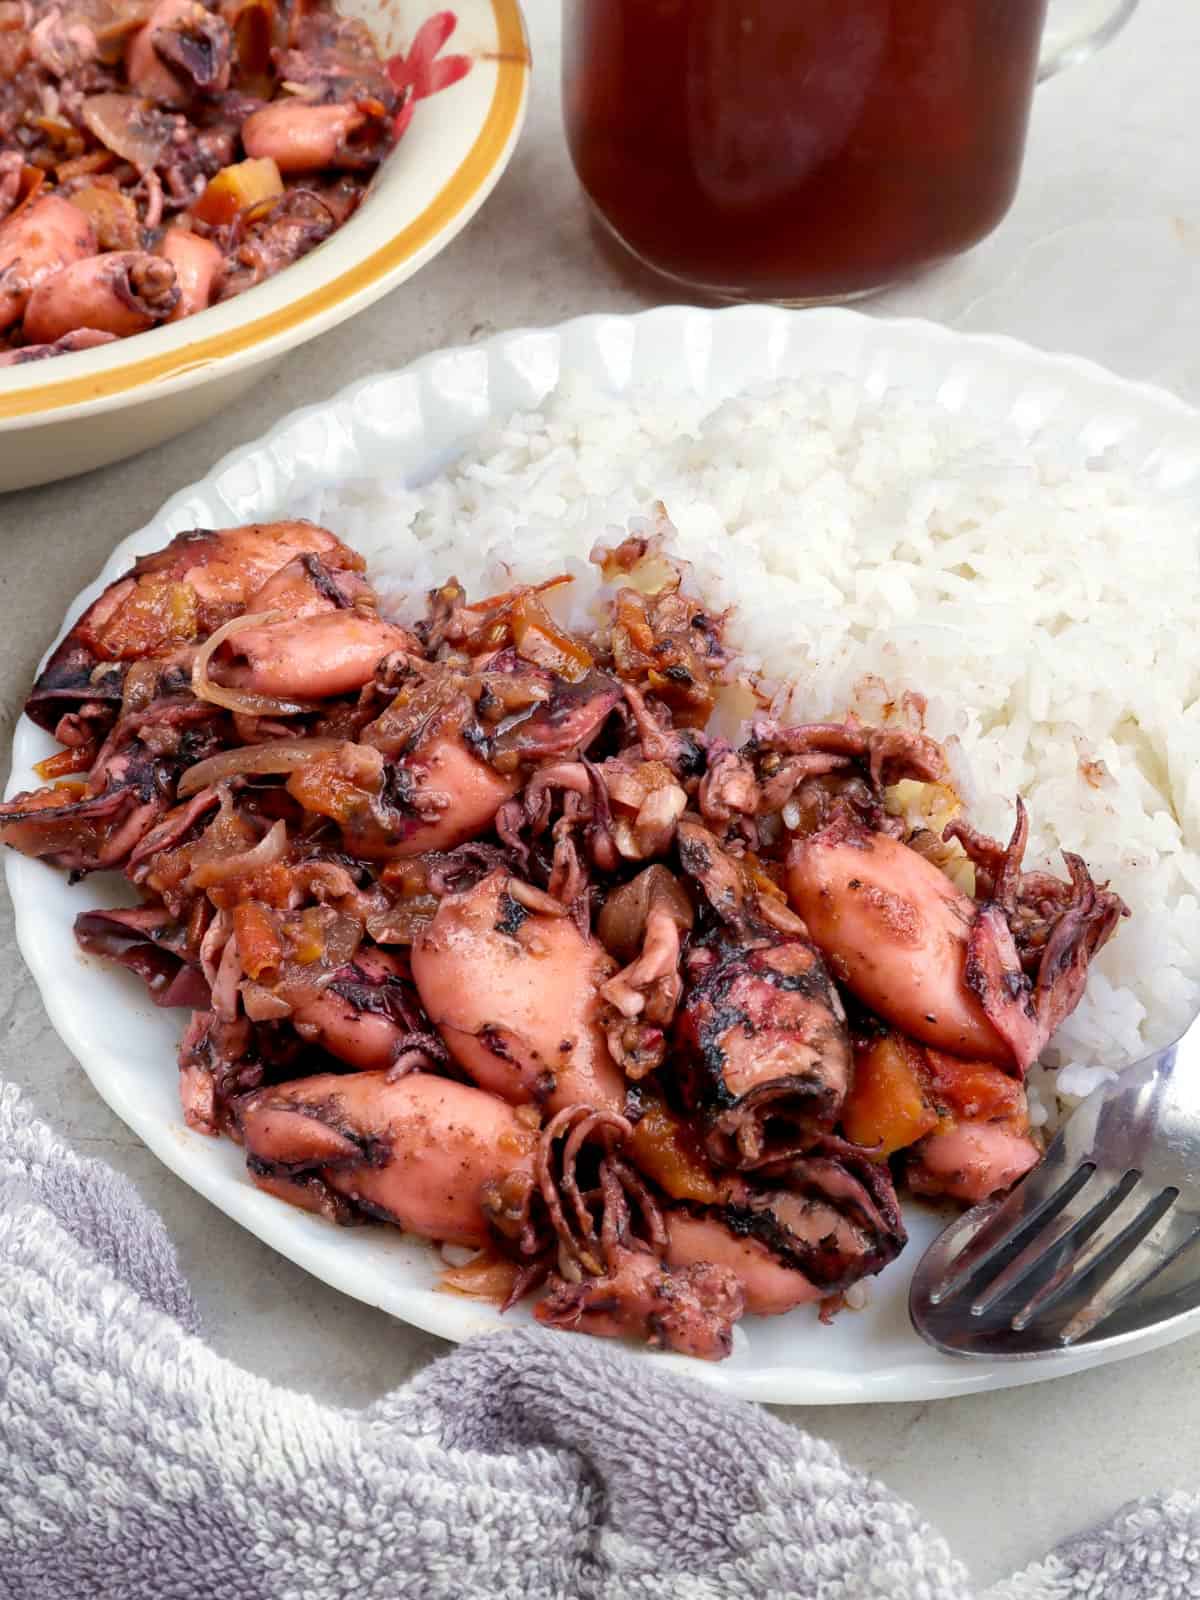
(1167, 1240)
(1069, 1229)
(1116, 1236)
(1040, 1196)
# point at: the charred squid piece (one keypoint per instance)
(882, 755)
(101, 822)
(169, 599)
(771, 1281)
(273, 237)
(421, 1152)
(611, 1280)
(148, 73)
(306, 586)
(149, 942)
(334, 57)
(120, 292)
(562, 726)
(818, 771)
(227, 567)
(36, 242)
(303, 658)
(369, 1016)
(1032, 923)
(682, 749)
(762, 1049)
(641, 925)
(963, 1126)
(438, 773)
(197, 264)
(434, 799)
(897, 932)
(802, 1229)
(195, 45)
(512, 987)
(85, 834)
(60, 44)
(221, 1059)
(663, 642)
(744, 898)
(729, 797)
(318, 635)
(301, 137)
(970, 1161)
(79, 339)
(938, 965)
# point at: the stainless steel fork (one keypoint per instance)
(1097, 1237)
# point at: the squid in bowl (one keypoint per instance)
(161, 158)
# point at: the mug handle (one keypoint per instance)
(1076, 29)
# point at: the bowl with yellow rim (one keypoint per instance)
(75, 412)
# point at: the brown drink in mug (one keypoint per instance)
(808, 150)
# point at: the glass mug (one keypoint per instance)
(805, 151)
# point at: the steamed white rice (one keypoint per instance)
(1045, 604)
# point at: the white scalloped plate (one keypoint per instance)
(411, 423)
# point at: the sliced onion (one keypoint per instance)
(534, 899)
(255, 705)
(139, 687)
(621, 926)
(263, 1005)
(112, 21)
(402, 924)
(485, 1277)
(280, 755)
(342, 934)
(780, 916)
(270, 848)
(129, 126)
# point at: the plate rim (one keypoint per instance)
(275, 1225)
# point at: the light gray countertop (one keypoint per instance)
(1100, 256)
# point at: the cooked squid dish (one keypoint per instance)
(485, 933)
(160, 156)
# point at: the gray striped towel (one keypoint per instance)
(137, 1465)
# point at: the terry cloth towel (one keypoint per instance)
(137, 1465)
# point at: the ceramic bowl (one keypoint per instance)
(75, 412)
